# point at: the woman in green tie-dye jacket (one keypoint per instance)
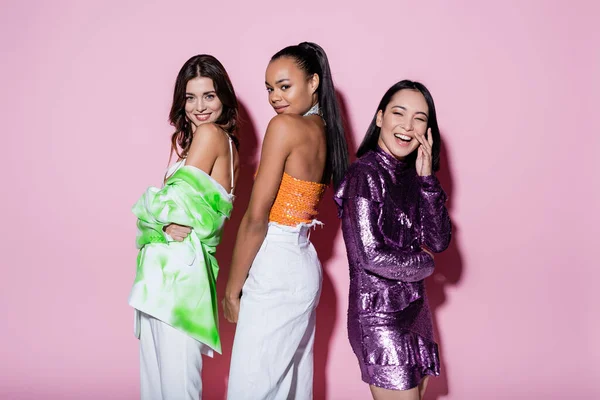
(179, 227)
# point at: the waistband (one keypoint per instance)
(298, 234)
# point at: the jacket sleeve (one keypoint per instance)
(183, 201)
(360, 200)
(436, 228)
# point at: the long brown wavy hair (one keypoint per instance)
(203, 65)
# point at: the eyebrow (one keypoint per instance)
(204, 94)
(279, 81)
(418, 112)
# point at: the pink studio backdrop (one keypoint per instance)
(85, 94)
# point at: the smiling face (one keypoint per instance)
(405, 116)
(290, 90)
(201, 102)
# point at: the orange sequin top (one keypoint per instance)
(296, 201)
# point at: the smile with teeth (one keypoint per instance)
(404, 138)
(203, 117)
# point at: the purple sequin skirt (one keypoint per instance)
(390, 355)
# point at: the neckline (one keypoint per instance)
(305, 181)
(389, 159)
(314, 110)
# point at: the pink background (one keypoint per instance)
(85, 93)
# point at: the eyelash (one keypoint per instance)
(283, 87)
(208, 97)
(418, 119)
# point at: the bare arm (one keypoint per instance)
(276, 148)
(208, 142)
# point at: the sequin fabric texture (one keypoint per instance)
(296, 201)
(388, 214)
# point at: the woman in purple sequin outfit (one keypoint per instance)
(393, 219)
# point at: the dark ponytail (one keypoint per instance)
(312, 59)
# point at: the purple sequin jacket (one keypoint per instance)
(388, 214)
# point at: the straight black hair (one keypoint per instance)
(372, 135)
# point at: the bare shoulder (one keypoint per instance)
(210, 135)
(283, 128)
(210, 131)
(208, 144)
(286, 122)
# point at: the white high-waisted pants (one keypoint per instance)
(273, 347)
(170, 362)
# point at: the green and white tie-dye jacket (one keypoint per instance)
(176, 281)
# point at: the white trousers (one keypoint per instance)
(170, 362)
(272, 356)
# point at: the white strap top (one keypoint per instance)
(231, 162)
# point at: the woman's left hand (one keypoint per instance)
(231, 308)
(177, 232)
(424, 158)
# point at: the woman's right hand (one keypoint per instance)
(231, 308)
(177, 232)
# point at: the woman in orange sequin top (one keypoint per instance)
(275, 278)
